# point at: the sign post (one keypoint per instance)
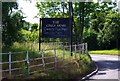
(40, 25)
(70, 24)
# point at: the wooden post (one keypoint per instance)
(79, 50)
(83, 48)
(70, 24)
(55, 57)
(63, 54)
(75, 51)
(27, 57)
(79, 47)
(43, 59)
(70, 52)
(10, 64)
(27, 64)
(86, 48)
(40, 26)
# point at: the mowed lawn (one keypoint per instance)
(108, 52)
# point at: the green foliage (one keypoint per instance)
(31, 35)
(104, 23)
(93, 22)
(34, 27)
(49, 9)
(108, 34)
(90, 36)
(12, 23)
(15, 29)
(26, 25)
(112, 25)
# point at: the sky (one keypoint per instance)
(29, 10)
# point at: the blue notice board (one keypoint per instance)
(55, 27)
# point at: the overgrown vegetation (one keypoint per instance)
(71, 69)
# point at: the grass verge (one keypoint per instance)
(106, 52)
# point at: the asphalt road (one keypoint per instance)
(108, 68)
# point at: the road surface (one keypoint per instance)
(108, 68)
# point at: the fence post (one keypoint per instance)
(63, 54)
(43, 59)
(83, 48)
(79, 47)
(80, 50)
(70, 52)
(27, 64)
(75, 51)
(55, 57)
(10, 64)
(86, 48)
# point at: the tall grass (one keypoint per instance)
(72, 68)
(32, 46)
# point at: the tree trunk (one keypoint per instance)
(81, 6)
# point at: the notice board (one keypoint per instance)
(55, 27)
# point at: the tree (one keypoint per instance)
(34, 27)
(12, 23)
(111, 30)
(98, 22)
(89, 20)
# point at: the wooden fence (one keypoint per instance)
(81, 49)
